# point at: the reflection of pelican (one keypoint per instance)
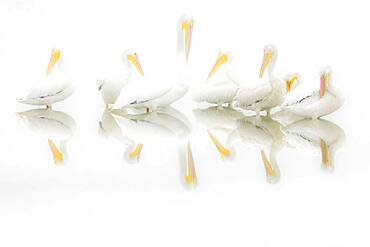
(53, 125)
(219, 119)
(166, 124)
(55, 86)
(109, 127)
(263, 133)
(316, 136)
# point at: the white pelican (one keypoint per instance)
(316, 136)
(111, 85)
(54, 87)
(219, 119)
(263, 133)
(263, 96)
(152, 93)
(316, 103)
(218, 93)
(52, 125)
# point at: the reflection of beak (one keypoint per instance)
(325, 154)
(323, 84)
(55, 56)
(221, 59)
(135, 154)
(187, 28)
(58, 156)
(221, 149)
(190, 176)
(270, 171)
(135, 61)
(265, 62)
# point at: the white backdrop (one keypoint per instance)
(97, 199)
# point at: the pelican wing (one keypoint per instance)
(215, 94)
(150, 95)
(53, 89)
(249, 96)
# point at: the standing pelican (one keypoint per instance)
(153, 93)
(264, 96)
(52, 125)
(316, 103)
(111, 86)
(54, 87)
(218, 93)
(316, 136)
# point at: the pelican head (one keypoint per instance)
(130, 58)
(269, 58)
(55, 58)
(291, 81)
(222, 58)
(185, 32)
(325, 79)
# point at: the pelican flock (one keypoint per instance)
(138, 108)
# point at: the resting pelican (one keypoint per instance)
(52, 125)
(263, 133)
(219, 119)
(54, 87)
(264, 96)
(111, 86)
(221, 92)
(316, 136)
(158, 92)
(316, 103)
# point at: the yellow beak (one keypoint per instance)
(270, 171)
(190, 176)
(265, 62)
(135, 61)
(325, 153)
(323, 84)
(221, 59)
(55, 56)
(289, 83)
(187, 27)
(135, 154)
(224, 152)
(58, 156)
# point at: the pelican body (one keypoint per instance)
(54, 87)
(316, 103)
(264, 96)
(111, 85)
(218, 93)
